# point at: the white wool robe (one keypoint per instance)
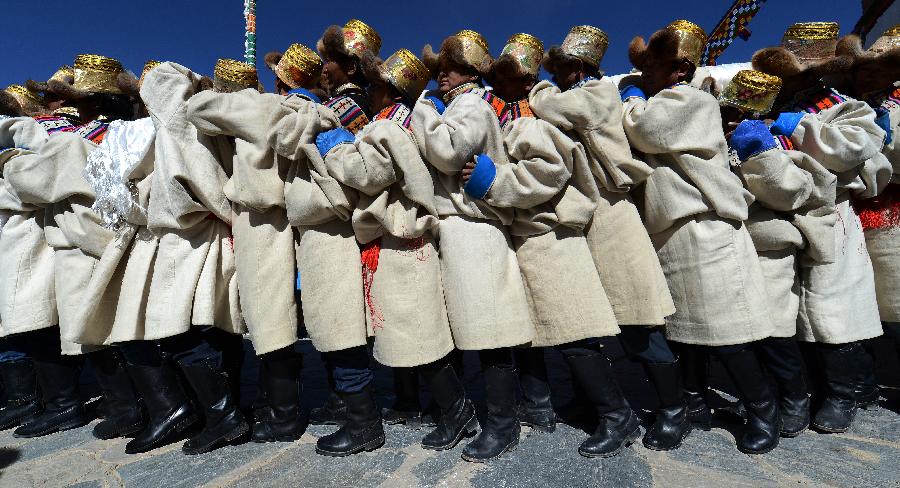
(263, 240)
(694, 208)
(327, 254)
(545, 183)
(483, 287)
(27, 292)
(837, 300)
(620, 245)
(793, 214)
(396, 217)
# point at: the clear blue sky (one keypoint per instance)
(41, 35)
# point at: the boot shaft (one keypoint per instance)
(160, 388)
(19, 382)
(58, 380)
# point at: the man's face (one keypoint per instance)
(380, 95)
(567, 74)
(334, 74)
(453, 75)
(659, 74)
(511, 88)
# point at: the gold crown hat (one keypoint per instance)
(230, 75)
(888, 41)
(805, 47)
(402, 70)
(526, 51)
(586, 43)
(92, 74)
(465, 48)
(680, 40)
(298, 67)
(32, 102)
(354, 39)
(692, 40)
(752, 91)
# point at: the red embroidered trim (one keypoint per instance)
(881, 212)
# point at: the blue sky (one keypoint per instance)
(45, 34)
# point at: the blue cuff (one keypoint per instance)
(438, 104)
(750, 138)
(786, 124)
(326, 141)
(632, 91)
(883, 119)
(298, 279)
(305, 93)
(482, 177)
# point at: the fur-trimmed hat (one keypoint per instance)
(584, 42)
(9, 106)
(129, 84)
(883, 53)
(297, 67)
(521, 56)
(91, 74)
(806, 48)
(352, 40)
(402, 70)
(231, 75)
(681, 39)
(31, 102)
(465, 48)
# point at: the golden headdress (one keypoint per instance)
(692, 38)
(402, 70)
(752, 91)
(232, 76)
(465, 48)
(805, 46)
(92, 74)
(31, 102)
(354, 39)
(526, 51)
(299, 66)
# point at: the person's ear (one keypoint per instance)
(685, 69)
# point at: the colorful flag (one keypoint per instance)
(733, 24)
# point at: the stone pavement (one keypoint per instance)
(868, 456)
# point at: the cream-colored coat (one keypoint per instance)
(483, 286)
(27, 292)
(837, 300)
(794, 210)
(621, 248)
(405, 306)
(263, 240)
(694, 208)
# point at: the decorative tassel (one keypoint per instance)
(369, 258)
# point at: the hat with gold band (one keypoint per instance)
(298, 67)
(752, 91)
(586, 43)
(97, 74)
(692, 42)
(526, 50)
(888, 41)
(230, 75)
(402, 70)
(811, 41)
(31, 102)
(465, 48)
(354, 39)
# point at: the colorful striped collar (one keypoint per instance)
(351, 115)
(515, 110)
(397, 112)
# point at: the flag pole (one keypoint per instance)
(250, 32)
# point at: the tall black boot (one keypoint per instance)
(233, 361)
(407, 407)
(694, 369)
(618, 426)
(672, 424)
(761, 433)
(169, 410)
(838, 408)
(23, 400)
(58, 379)
(782, 358)
(457, 418)
(867, 390)
(333, 412)
(223, 420)
(536, 409)
(283, 421)
(362, 430)
(500, 431)
(124, 412)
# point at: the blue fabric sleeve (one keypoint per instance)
(632, 91)
(786, 124)
(326, 141)
(438, 104)
(883, 119)
(750, 138)
(305, 93)
(482, 177)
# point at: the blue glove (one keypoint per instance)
(883, 119)
(305, 93)
(438, 104)
(750, 138)
(326, 141)
(482, 177)
(786, 123)
(632, 91)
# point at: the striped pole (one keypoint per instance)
(250, 32)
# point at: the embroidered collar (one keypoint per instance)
(887, 99)
(583, 82)
(819, 100)
(515, 110)
(464, 88)
(784, 143)
(397, 112)
(351, 115)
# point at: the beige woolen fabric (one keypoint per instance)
(694, 208)
(331, 279)
(783, 287)
(621, 248)
(567, 299)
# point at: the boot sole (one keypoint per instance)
(510, 448)
(368, 446)
(676, 446)
(124, 432)
(791, 435)
(72, 424)
(547, 429)
(762, 451)
(829, 430)
(236, 433)
(470, 429)
(174, 430)
(627, 443)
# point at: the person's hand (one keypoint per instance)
(729, 130)
(467, 171)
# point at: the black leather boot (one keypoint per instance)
(867, 390)
(58, 379)
(694, 368)
(362, 430)
(536, 409)
(20, 388)
(283, 421)
(761, 432)
(841, 372)
(500, 431)
(457, 418)
(618, 426)
(124, 411)
(406, 408)
(672, 424)
(333, 412)
(223, 420)
(782, 358)
(168, 409)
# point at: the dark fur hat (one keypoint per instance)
(66, 89)
(272, 58)
(331, 44)
(9, 105)
(129, 84)
(37, 86)
(555, 56)
(851, 47)
(370, 67)
(452, 50)
(206, 83)
(663, 45)
(781, 62)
